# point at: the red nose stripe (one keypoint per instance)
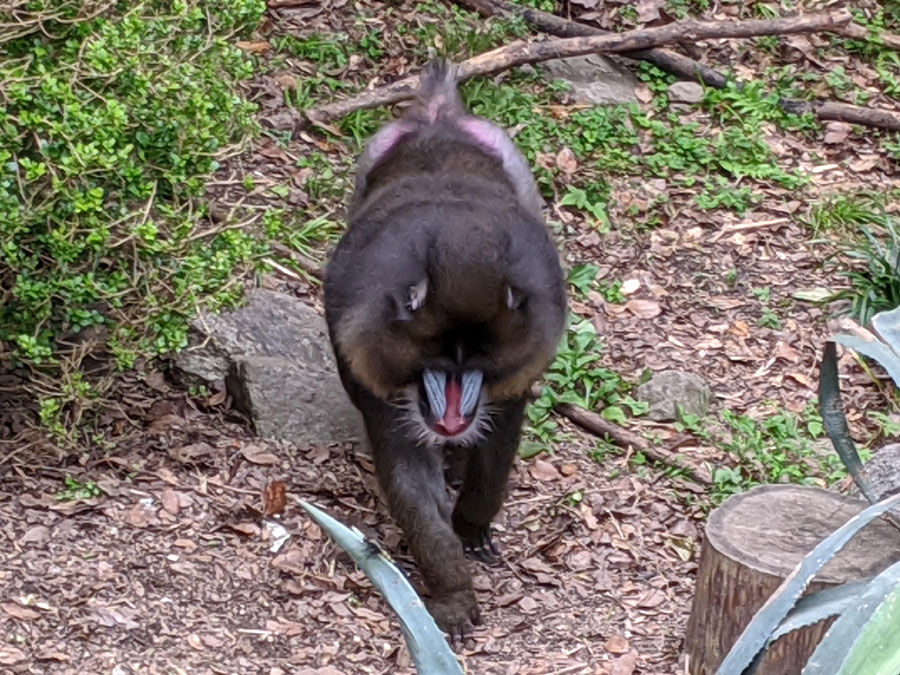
(453, 421)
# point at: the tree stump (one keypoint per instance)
(753, 541)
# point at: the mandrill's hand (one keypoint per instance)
(455, 613)
(476, 539)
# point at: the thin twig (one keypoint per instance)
(591, 421)
(744, 227)
(520, 53)
(308, 265)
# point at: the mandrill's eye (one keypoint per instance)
(416, 295)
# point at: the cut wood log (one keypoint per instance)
(753, 541)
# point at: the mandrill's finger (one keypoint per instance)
(435, 389)
(471, 390)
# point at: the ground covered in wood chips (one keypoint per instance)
(152, 556)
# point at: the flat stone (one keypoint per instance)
(269, 324)
(594, 79)
(669, 390)
(276, 358)
(685, 92)
(293, 401)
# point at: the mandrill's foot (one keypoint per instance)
(456, 613)
(476, 540)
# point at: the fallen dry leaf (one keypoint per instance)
(256, 454)
(169, 501)
(192, 452)
(617, 644)
(543, 470)
(648, 10)
(568, 469)
(528, 605)
(644, 309)
(246, 529)
(36, 535)
(141, 514)
(565, 160)
(588, 515)
(625, 664)
(643, 93)
(16, 611)
(10, 656)
(254, 47)
(630, 286)
(836, 132)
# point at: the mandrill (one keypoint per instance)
(445, 301)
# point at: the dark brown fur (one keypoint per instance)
(438, 206)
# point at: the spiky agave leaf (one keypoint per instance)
(832, 411)
(865, 639)
(427, 646)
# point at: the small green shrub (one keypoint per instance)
(111, 117)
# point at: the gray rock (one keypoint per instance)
(685, 92)
(276, 359)
(293, 401)
(594, 79)
(668, 390)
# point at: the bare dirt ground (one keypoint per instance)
(167, 569)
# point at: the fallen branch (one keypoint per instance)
(686, 68)
(594, 423)
(857, 32)
(518, 54)
(845, 112)
(672, 62)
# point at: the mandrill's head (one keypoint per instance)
(446, 293)
(461, 306)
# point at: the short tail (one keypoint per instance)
(438, 95)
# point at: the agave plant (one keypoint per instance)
(429, 650)
(865, 637)
(884, 347)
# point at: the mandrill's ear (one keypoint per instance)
(515, 299)
(404, 304)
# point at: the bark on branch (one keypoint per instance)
(845, 112)
(671, 62)
(521, 53)
(857, 32)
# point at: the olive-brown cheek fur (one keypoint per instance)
(387, 365)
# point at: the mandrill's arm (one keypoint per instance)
(412, 478)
